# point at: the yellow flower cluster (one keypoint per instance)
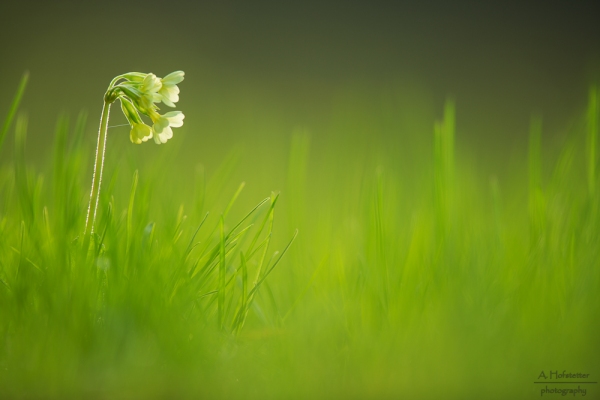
(139, 93)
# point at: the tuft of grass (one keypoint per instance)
(195, 288)
(147, 289)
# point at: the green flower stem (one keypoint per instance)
(97, 176)
(138, 93)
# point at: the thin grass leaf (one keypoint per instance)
(260, 246)
(236, 326)
(208, 294)
(2, 279)
(21, 178)
(211, 263)
(259, 283)
(233, 199)
(276, 262)
(247, 216)
(191, 246)
(268, 216)
(194, 270)
(27, 259)
(181, 218)
(14, 107)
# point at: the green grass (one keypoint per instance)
(433, 281)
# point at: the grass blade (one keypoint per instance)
(13, 108)
(21, 178)
(233, 199)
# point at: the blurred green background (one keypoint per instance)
(456, 267)
(500, 62)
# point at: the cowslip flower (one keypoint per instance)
(162, 125)
(138, 93)
(141, 92)
(151, 89)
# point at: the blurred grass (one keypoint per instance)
(13, 108)
(414, 274)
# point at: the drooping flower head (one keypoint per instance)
(138, 93)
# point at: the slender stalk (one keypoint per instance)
(98, 167)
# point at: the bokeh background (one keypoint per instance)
(500, 61)
(405, 262)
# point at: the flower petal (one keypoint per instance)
(151, 84)
(167, 134)
(169, 91)
(169, 94)
(175, 118)
(167, 101)
(133, 137)
(140, 133)
(173, 78)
